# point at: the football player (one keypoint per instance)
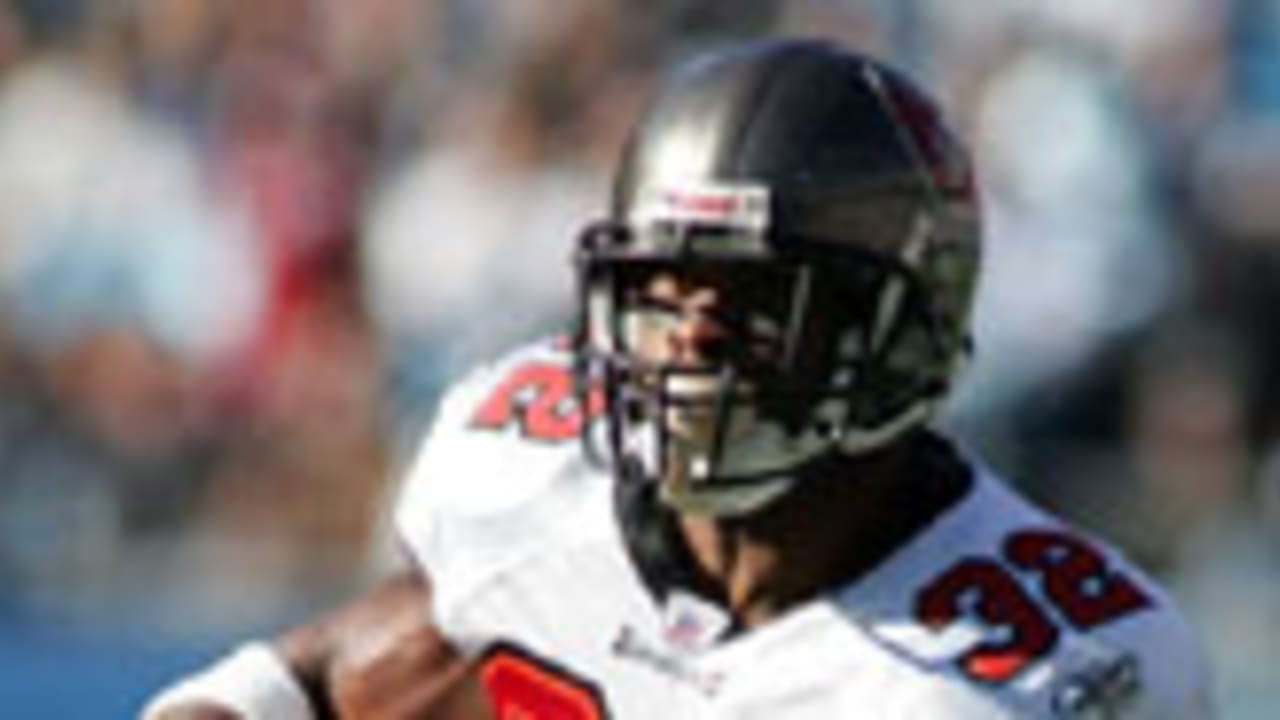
(721, 498)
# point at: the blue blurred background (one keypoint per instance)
(244, 242)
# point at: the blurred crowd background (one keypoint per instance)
(243, 244)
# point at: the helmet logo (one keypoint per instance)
(741, 207)
(945, 163)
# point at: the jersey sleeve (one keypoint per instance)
(503, 450)
(1016, 604)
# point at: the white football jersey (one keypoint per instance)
(995, 610)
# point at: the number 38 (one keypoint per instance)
(1076, 582)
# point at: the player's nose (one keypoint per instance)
(701, 335)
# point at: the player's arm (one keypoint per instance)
(379, 657)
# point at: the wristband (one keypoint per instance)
(254, 681)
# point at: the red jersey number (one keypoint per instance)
(1076, 581)
(1075, 577)
(541, 399)
(1021, 631)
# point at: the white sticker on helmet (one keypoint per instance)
(733, 206)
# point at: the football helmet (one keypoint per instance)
(829, 187)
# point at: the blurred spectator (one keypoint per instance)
(1204, 511)
(291, 506)
(466, 249)
(104, 217)
(1075, 228)
(112, 262)
(183, 298)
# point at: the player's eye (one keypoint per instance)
(651, 304)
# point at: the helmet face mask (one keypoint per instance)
(846, 283)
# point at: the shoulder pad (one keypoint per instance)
(500, 475)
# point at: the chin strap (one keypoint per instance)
(724, 501)
(857, 442)
(736, 495)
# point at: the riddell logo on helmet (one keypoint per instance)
(718, 206)
(740, 207)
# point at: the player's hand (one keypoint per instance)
(382, 658)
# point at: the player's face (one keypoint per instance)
(706, 322)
